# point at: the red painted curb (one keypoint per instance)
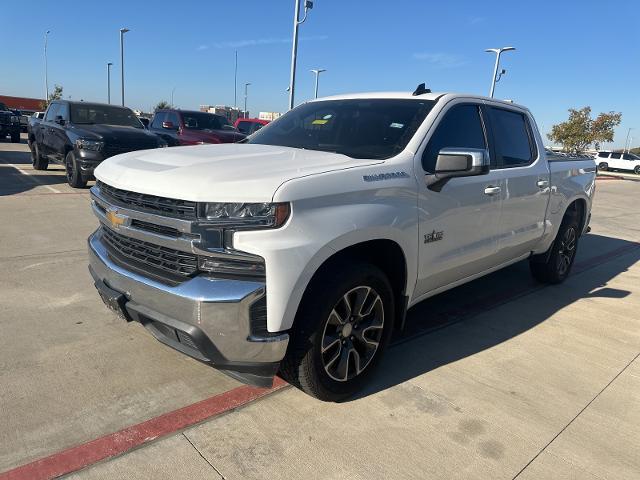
(117, 443)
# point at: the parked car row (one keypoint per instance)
(618, 161)
(9, 124)
(80, 135)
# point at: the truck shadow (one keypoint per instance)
(14, 181)
(448, 327)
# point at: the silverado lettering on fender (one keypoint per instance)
(273, 255)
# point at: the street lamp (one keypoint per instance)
(109, 65)
(172, 90)
(122, 32)
(46, 77)
(245, 99)
(627, 145)
(495, 78)
(317, 72)
(308, 5)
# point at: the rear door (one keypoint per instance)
(524, 174)
(615, 161)
(629, 161)
(459, 224)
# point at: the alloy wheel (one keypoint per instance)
(567, 250)
(352, 333)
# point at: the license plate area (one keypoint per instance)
(114, 300)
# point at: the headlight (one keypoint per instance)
(14, 119)
(92, 145)
(247, 214)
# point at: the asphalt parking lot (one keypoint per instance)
(499, 378)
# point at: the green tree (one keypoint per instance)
(161, 104)
(580, 130)
(55, 95)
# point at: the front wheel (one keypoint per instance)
(343, 326)
(558, 261)
(74, 177)
(603, 166)
(37, 160)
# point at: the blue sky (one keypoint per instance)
(570, 53)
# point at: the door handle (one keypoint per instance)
(492, 190)
(542, 183)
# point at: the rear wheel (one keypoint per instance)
(637, 170)
(37, 160)
(74, 177)
(343, 326)
(555, 265)
(603, 166)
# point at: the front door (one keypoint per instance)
(459, 223)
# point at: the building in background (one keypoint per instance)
(28, 105)
(271, 116)
(231, 113)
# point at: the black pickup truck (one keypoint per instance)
(9, 124)
(80, 135)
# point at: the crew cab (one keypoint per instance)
(80, 135)
(300, 250)
(9, 124)
(618, 161)
(186, 127)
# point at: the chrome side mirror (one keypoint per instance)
(457, 162)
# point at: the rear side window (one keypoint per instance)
(244, 127)
(616, 155)
(603, 154)
(512, 138)
(460, 127)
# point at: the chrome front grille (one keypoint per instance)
(183, 209)
(163, 258)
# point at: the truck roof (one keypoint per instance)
(411, 96)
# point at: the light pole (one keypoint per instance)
(109, 65)
(498, 52)
(172, 90)
(627, 147)
(46, 74)
(245, 99)
(235, 84)
(308, 5)
(122, 32)
(317, 72)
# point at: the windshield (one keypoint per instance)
(204, 121)
(359, 128)
(89, 114)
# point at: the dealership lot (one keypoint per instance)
(494, 379)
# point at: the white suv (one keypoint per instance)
(618, 161)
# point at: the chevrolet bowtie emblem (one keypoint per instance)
(114, 218)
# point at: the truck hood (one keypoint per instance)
(114, 134)
(218, 173)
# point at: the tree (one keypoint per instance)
(580, 130)
(55, 95)
(161, 105)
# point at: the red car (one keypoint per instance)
(186, 127)
(249, 125)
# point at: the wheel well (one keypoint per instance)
(387, 255)
(579, 209)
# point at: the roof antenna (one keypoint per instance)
(421, 90)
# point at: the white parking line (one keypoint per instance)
(38, 181)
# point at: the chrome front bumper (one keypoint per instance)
(206, 318)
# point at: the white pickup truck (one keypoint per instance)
(300, 249)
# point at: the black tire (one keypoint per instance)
(637, 170)
(15, 137)
(318, 320)
(74, 176)
(37, 160)
(603, 166)
(555, 265)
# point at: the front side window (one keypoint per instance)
(158, 118)
(511, 137)
(460, 127)
(630, 156)
(202, 121)
(244, 127)
(63, 111)
(52, 111)
(358, 128)
(97, 114)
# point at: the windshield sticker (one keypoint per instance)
(319, 121)
(396, 125)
